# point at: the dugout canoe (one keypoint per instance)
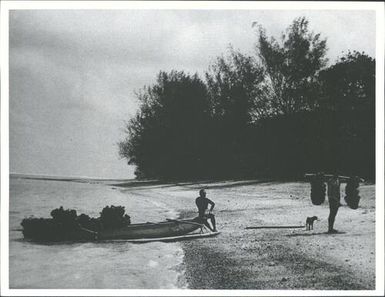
(169, 228)
(137, 232)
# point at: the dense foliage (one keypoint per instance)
(168, 136)
(278, 113)
(291, 67)
(347, 105)
(236, 99)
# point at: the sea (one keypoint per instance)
(89, 265)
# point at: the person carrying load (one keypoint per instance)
(334, 194)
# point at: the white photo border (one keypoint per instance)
(6, 6)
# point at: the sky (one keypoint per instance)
(74, 73)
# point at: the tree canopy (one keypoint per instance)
(278, 113)
(166, 135)
(291, 66)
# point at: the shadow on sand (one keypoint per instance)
(207, 184)
(314, 234)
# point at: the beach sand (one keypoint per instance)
(240, 258)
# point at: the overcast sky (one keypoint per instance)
(73, 73)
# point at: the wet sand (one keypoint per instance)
(258, 259)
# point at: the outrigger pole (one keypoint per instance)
(331, 175)
(275, 227)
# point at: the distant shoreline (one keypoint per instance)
(66, 178)
(128, 183)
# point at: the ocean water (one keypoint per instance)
(109, 265)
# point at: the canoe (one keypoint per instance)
(169, 239)
(169, 228)
(47, 230)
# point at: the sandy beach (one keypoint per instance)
(242, 258)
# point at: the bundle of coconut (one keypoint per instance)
(114, 217)
(352, 197)
(318, 189)
(65, 224)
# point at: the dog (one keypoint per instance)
(310, 222)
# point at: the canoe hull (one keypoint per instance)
(150, 230)
(169, 239)
(46, 230)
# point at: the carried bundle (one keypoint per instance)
(318, 189)
(89, 223)
(352, 197)
(67, 218)
(114, 217)
(62, 226)
(65, 224)
(42, 229)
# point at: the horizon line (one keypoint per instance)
(67, 177)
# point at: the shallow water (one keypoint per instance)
(108, 265)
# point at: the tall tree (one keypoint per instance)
(166, 137)
(291, 66)
(235, 89)
(237, 99)
(347, 102)
(349, 84)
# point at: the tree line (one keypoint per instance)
(277, 113)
